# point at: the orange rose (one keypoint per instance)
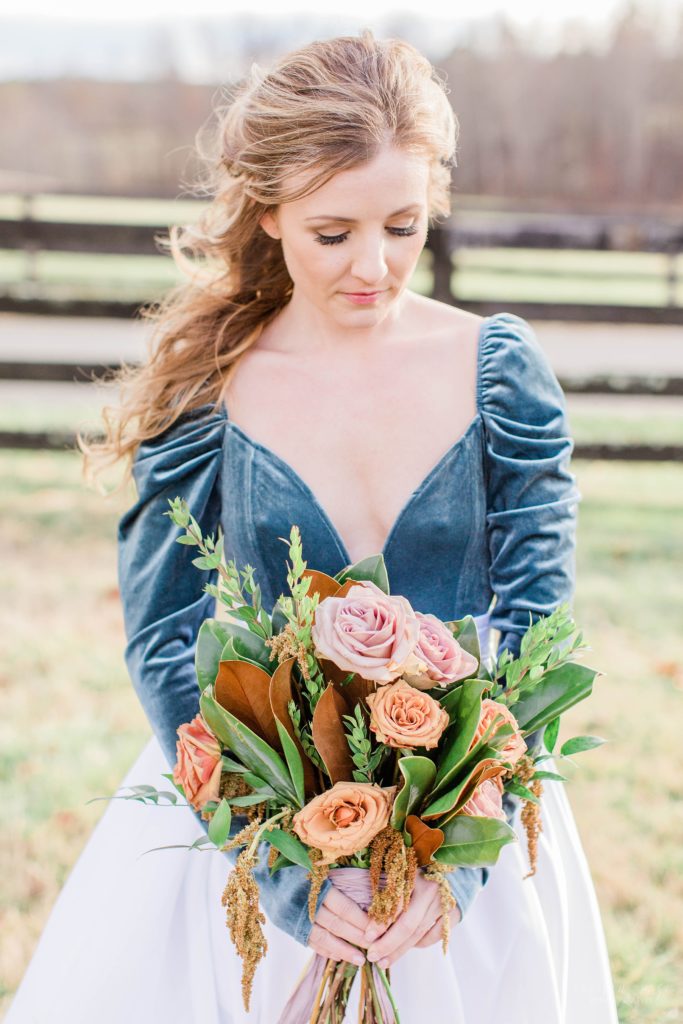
(514, 745)
(344, 819)
(402, 716)
(198, 764)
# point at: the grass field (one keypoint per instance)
(70, 724)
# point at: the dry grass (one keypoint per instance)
(70, 724)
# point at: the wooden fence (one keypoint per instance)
(469, 228)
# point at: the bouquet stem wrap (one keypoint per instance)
(354, 883)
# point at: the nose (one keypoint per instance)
(369, 265)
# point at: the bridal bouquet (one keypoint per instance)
(353, 732)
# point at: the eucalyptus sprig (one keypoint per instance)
(544, 647)
(233, 584)
(365, 759)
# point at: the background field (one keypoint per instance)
(70, 724)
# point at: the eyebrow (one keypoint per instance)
(350, 220)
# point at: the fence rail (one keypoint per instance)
(470, 227)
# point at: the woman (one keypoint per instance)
(378, 420)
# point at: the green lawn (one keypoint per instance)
(70, 724)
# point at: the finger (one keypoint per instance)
(410, 942)
(342, 905)
(435, 933)
(377, 928)
(338, 926)
(333, 947)
(422, 911)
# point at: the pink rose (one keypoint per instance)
(438, 657)
(367, 632)
(198, 763)
(401, 716)
(486, 801)
(345, 818)
(514, 745)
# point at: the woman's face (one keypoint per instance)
(351, 246)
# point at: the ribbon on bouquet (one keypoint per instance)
(355, 883)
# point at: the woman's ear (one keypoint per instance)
(269, 224)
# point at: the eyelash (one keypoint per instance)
(336, 239)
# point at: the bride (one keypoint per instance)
(378, 420)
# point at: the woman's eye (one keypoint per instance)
(335, 239)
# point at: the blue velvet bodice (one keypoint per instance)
(492, 526)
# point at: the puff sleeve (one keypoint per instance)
(531, 503)
(164, 604)
(531, 494)
(161, 591)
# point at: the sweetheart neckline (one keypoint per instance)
(412, 497)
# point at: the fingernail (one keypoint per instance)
(371, 932)
(358, 960)
(372, 955)
(383, 963)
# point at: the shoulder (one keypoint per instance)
(515, 375)
(190, 446)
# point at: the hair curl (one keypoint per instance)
(326, 107)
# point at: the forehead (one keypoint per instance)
(392, 179)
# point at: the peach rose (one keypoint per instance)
(367, 632)
(198, 763)
(486, 801)
(514, 745)
(345, 818)
(437, 657)
(402, 716)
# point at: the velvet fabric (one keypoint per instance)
(490, 531)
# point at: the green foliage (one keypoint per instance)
(372, 568)
(363, 756)
(232, 583)
(465, 632)
(219, 826)
(254, 752)
(470, 841)
(289, 845)
(548, 643)
(558, 691)
(418, 774)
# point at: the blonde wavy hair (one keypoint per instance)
(326, 107)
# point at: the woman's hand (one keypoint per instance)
(420, 925)
(339, 928)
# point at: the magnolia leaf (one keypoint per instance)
(280, 694)
(327, 728)
(243, 689)
(211, 639)
(418, 773)
(465, 632)
(253, 751)
(471, 841)
(219, 826)
(454, 747)
(559, 689)
(424, 839)
(321, 584)
(372, 568)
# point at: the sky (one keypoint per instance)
(518, 10)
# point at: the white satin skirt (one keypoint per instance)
(140, 938)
